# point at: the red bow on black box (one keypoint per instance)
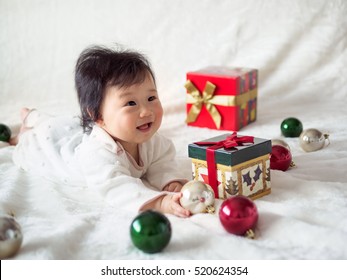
(231, 141)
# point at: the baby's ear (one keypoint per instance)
(91, 114)
(100, 122)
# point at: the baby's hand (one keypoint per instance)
(173, 187)
(170, 204)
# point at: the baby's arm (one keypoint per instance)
(108, 171)
(163, 172)
(175, 186)
(169, 204)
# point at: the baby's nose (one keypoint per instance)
(145, 112)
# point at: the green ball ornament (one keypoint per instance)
(5, 133)
(291, 127)
(150, 231)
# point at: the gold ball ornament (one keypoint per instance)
(10, 237)
(197, 197)
(312, 140)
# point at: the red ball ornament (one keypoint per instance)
(239, 215)
(280, 158)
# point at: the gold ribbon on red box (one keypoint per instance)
(231, 141)
(208, 99)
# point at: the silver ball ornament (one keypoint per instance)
(197, 197)
(10, 237)
(280, 142)
(312, 140)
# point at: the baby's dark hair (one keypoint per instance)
(99, 67)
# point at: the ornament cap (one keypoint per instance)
(326, 137)
(210, 209)
(250, 234)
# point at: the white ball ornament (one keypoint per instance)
(197, 197)
(312, 140)
(280, 142)
(10, 237)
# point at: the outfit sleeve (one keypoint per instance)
(163, 167)
(107, 171)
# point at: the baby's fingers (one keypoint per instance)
(183, 213)
(179, 211)
(176, 197)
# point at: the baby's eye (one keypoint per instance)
(152, 98)
(131, 103)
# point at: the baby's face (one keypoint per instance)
(132, 115)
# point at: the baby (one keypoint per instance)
(118, 143)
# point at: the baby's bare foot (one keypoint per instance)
(23, 115)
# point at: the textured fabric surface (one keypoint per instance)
(299, 48)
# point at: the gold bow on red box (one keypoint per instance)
(208, 99)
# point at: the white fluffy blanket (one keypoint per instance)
(299, 48)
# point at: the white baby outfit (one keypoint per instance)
(57, 149)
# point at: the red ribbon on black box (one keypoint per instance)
(231, 141)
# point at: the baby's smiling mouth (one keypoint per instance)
(145, 127)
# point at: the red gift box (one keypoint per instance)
(222, 98)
